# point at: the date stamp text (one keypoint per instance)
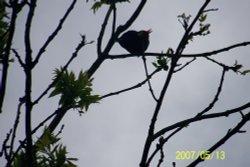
(204, 155)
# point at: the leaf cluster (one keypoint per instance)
(75, 92)
(49, 153)
(98, 4)
(237, 68)
(203, 27)
(184, 20)
(162, 61)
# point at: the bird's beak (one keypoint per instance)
(149, 31)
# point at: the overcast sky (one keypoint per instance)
(112, 133)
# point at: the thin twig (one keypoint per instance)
(148, 142)
(205, 54)
(186, 64)
(216, 97)
(114, 17)
(18, 58)
(147, 76)
(160, 145)
(74, 55)
(210, 106)
(15, 127)
(5, 147)
(187, 33)
(161, 157)
(195, 119)
(55, 32)
(132, 87)
(100, 37)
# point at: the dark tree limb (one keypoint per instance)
(19, 58)
(178, 52)
(205, 54)
(29, 155)
(195, 119)
(229, 134)
(186, 64)
(6, 55)
(102, 31)
(147, 76)
(149, 140)
(164, 140)
(132, 87)
(216, 97)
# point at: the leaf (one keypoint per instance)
(203, 17)
(97, 5)
(75, 92)
(245, 72)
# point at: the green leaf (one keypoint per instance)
(203, 17)
(245, 72)
(74, 91)
(97, 5)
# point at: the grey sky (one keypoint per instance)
(112, 133)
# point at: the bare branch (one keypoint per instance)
(15, 127)
(132, 87)
(18, 58)
(205, 54)
(5, 147)
(216, 97)
(186, 35)
(186, 64)
(148, 142)
(230, 133)
(147, 75)
(7, 49)
(100, 37)
(55, 32)
(113, 39)
(74, 55)
(195, 119)
(174, 61)
(28, 85)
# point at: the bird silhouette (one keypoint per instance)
(135, 42)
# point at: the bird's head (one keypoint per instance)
(144, 33)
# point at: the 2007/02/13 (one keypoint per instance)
(205, 155)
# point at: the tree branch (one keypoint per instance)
(100, 37)
(28, 86)
(205, 54)
(7, 49)
(230, 133)
(113, 39)
(147, 75)
(148, 142)
(74, 55)
(186, 35)
(54, 34)
(216, 97)
(132, 87)
(195, 119)
(174, 61)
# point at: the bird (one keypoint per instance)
(135, 42)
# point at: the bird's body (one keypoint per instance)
(135, 42)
